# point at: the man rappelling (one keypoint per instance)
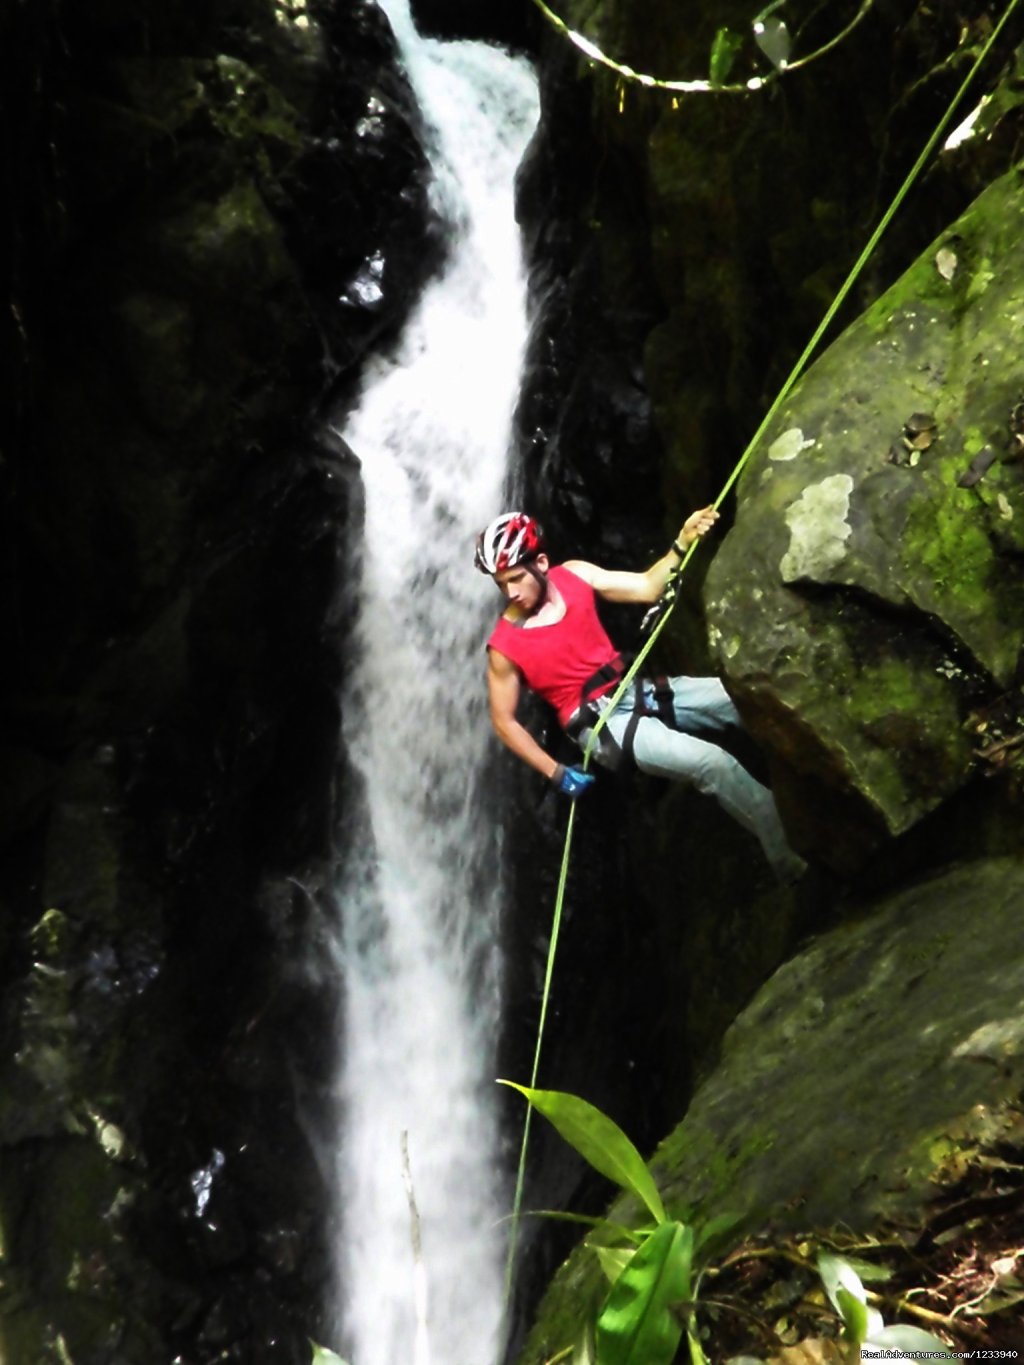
(550, 638)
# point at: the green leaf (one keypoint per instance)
(867, 1271)
(322, 1356)
(772, 37)
(605, 1231)
(697, 1356)
(637, 1325)
(837, 1273)
(905, 1338)
(586, 1351)
(854, 1313)
(599, 1140)
(723, 53)
(613, 1260)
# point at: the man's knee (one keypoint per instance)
(680, 757)
(711, 768)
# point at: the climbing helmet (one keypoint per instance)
(511, 539)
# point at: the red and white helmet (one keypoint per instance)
(511, 539)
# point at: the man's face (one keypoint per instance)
(520, 586)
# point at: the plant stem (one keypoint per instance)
(928, 1315)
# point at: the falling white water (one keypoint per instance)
(420, 1274)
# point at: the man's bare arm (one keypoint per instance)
(619, 585)
(503, 691)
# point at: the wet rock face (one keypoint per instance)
(157, 283)
(196, 190)
(377, 242)
(590, 449)
(868, 602)
(513, 23)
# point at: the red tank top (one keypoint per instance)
(556, 661)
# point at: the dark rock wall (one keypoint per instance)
(512, 23)
(212, 212)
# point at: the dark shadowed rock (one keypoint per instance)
(584, 415)
(514, 23)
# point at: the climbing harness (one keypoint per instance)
(591, 717)
(595, 699)
(599, 681)
(671, 594)
(664, 709)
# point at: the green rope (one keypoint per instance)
(627, 680)
(556, 924)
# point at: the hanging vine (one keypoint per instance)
(769, 32)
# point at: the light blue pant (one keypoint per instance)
(700, 704)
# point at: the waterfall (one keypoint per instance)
(420, 1266)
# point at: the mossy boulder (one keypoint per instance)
(867, 1076)
(868, 600)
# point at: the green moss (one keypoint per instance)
(981, 279)
(980, 240)
(973, 441)
(910, 292)
(890, 719)
(946, 536)
(885, 689)
(51, 937)
(718, 1164)
(912, 711)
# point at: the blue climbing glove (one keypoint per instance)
(571, 782)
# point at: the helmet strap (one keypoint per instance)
(541, 579)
